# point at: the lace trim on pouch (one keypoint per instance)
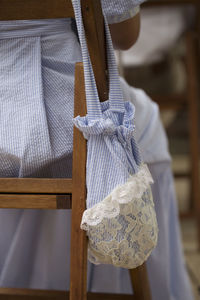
(122, 229)
(133, 189)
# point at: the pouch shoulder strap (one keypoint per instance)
(115, 94)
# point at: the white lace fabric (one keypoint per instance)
(122, 229)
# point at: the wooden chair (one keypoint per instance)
(189, 99)
(37, 193)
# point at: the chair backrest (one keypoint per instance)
(35, 9)
(94, 27)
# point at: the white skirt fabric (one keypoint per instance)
(36, 140)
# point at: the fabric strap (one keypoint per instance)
(116, 102)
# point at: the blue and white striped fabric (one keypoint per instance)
(120, 218)
(118, 11)
(36, 124)
(35, 243)
(113, 154)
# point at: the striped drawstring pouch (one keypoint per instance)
(120, 218)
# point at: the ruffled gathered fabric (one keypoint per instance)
(122, 228)
(113, 154)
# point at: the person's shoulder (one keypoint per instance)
(117, 11)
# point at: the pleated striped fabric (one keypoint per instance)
(36, 97)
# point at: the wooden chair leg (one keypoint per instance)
(191, 67)
(140, 283)
(78, 260)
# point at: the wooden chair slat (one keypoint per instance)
(36, 185)
(14, 293)
(28, 294)
(35, 9)
(22, 201)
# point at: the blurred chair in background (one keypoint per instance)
(164, 23)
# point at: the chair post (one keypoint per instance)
(193, 97)
(78, 261)
(140, 283)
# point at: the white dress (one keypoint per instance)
(36, 72)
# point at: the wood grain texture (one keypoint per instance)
(140, 283)
(37, 201)
(95, 35)
(35, 9)
(28, 294)
(193, 100)
(78, 263)
(23, 294)
(35, 185)
(174, 101)
(64, 201)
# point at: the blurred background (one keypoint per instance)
(165, 62)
